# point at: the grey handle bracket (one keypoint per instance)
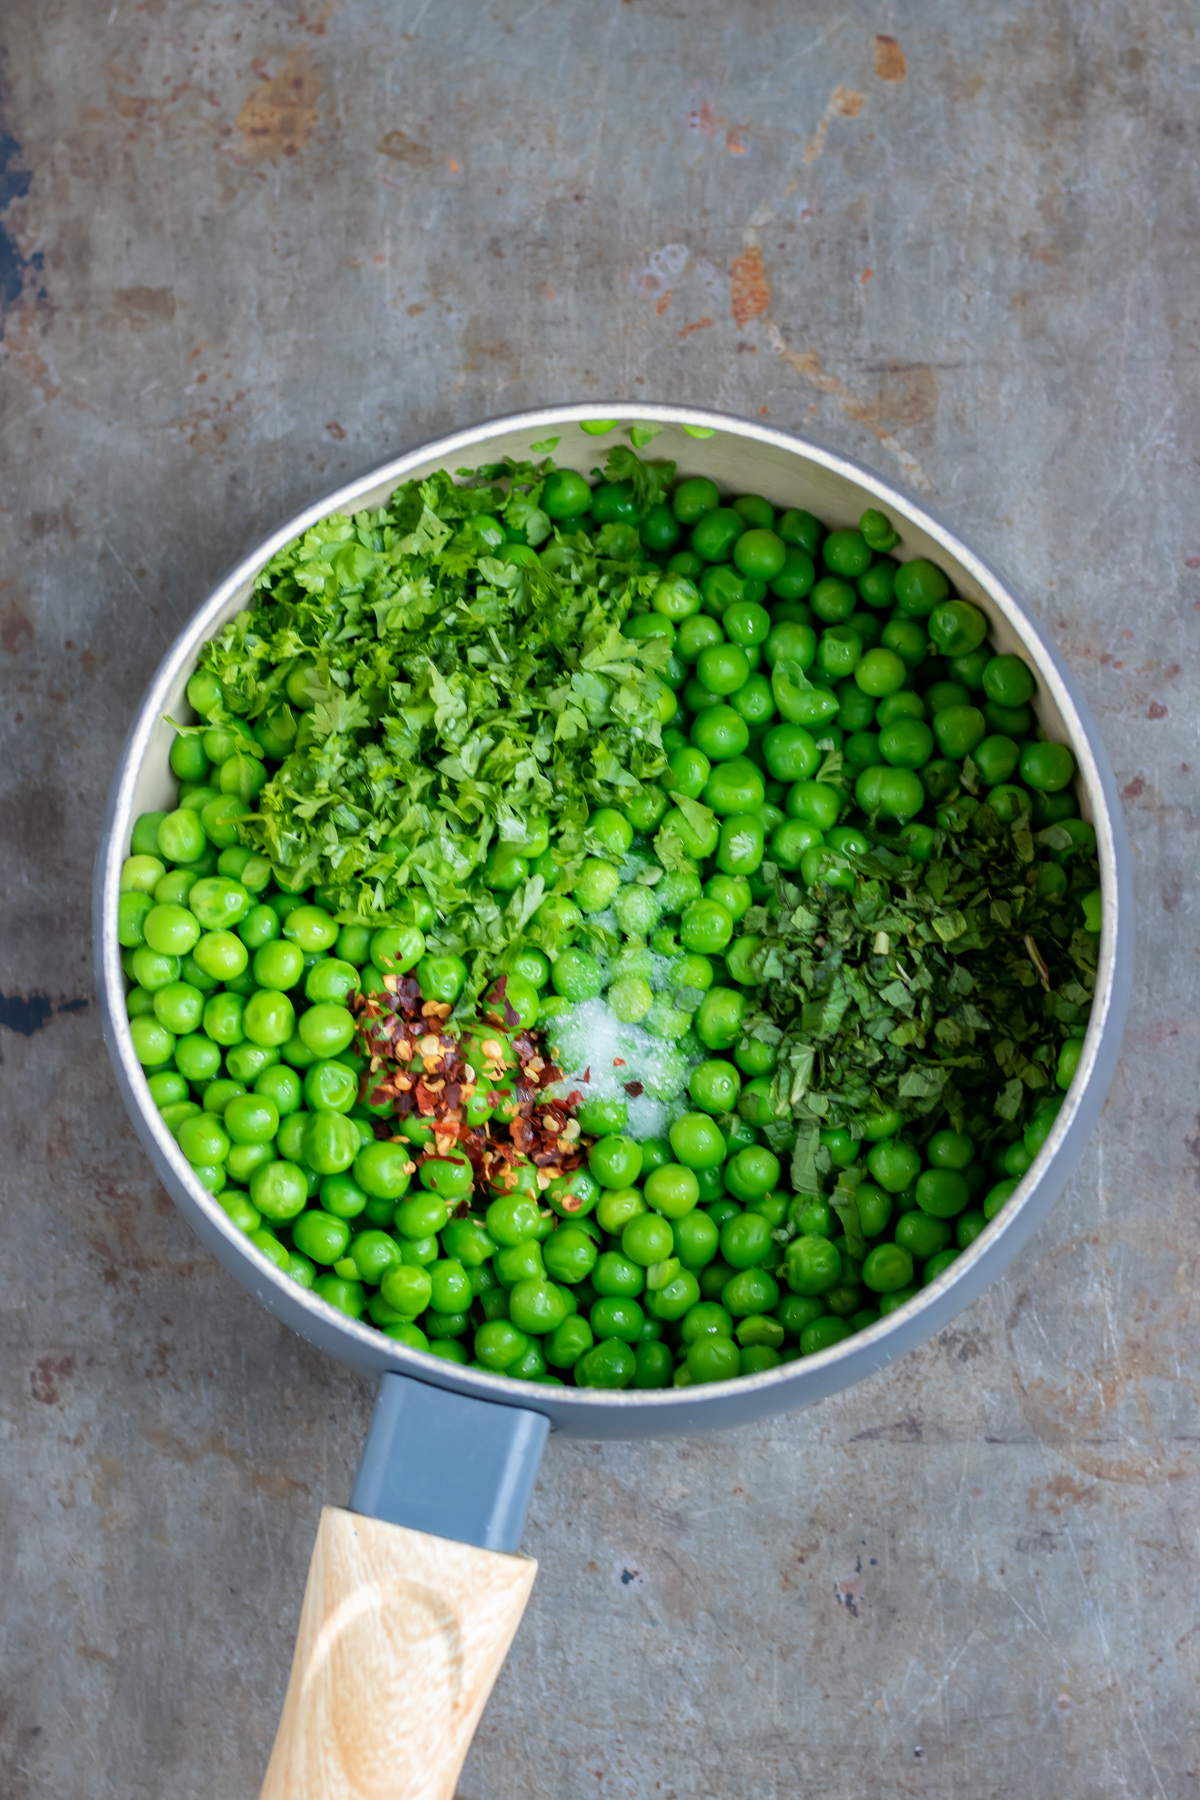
(449, 1465)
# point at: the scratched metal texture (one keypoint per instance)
(250, 249)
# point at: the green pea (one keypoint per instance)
(796, 577)
(1047, 767)
(721, 733)
(181, 837)
(812, 1265)
(839, 652)
(823, 1334)
(750, 1290)
(856, 709)
(1008, 680)
(260, 926)
(696, 634)
(659, 529)
(382, 1170)
(894, 1164)
(877, 530)
(693, 498)
(565, 494)
(329, 1087)
(696, 1239)
(937, 1265)
(967, 1228)
(132, 909)
(330, 1142)
(536, 1306)
(178, 1006)
(919, 587)
(906, 639)
(833, 602)
(908, 744)
(141, 874)
(760, 1338)
(576, 975)
(696, 1143)
(746, 1240)
(813, 803)
(791, 753)
(705, 926)
(245, 1062)
(957, 627)
(790, 640)
(170, 930)
(922, 1235)
(716, 534)
(672, 1190)
(713, 1358)
(876, 586)
(942, 1193)
(143, 839)
(761, 553)
(950, 1150)
(672, 1292)
(751, 1174)
(218, 821)
(610, 1364)
(1012, 721)
(615, 1161)
(718, 1019)
(714, 1086)
(746, 623)
(570, 1254)
(1068, 1062)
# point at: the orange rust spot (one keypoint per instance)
(277, 119)
(750, 290)
(890, 63)
(696, 325)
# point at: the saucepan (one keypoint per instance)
(416, 1589)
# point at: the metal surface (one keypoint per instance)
(969, 1577)
(455, 1467)
(787, 472)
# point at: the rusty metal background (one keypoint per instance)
(247, 250)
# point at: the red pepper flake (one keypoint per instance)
(542, 1135)
(587, 1073)
(633, 1089)
(618, 1062)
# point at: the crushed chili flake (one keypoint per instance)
(633, 1089)
(618, 1062)
(394, 1026)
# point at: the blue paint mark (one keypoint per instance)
(14, 185)
(24, 1013)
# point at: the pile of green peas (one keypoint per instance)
(667, 1260)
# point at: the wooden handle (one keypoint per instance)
(401, 1638)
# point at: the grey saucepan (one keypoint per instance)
(415, 1592)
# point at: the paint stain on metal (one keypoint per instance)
(277, 119)
(404, 149)
(24, 1013)
(890, 63)
(135, 308)
(704, 120)
(912, 401)
(844, 103)
(45, 1376)
(15, 624)
(749, 289)
(14, 185)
